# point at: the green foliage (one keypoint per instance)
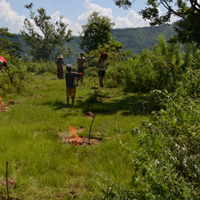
(158, 69)
(49, 42)
(96, 31)
(187, 28)
(15, 79)
(166, 166)
(91, 72)
(8, 47)
(114, 50)
(41, 67)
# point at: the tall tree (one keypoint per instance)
(96, 31)
(187, 28)
(49, 41)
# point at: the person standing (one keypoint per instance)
(60, 64)
(80, 62)
(3, 63)
(101, 68)
(70, 85)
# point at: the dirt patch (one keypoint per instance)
(84, 141)
(13, 102)
(89, 114)
(37, 96)
(3, 109)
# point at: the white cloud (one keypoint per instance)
(10, 19)
(131, 20)
(90, 8)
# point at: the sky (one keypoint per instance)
(74, 12)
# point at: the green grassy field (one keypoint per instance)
(42, 166)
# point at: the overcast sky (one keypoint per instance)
(74, 12)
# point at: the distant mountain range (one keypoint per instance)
(133, 39)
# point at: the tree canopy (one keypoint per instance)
(96, 31)
(188, 11)
(48, 40)
(6, 46)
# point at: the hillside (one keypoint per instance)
(134, 39)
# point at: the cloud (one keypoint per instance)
(90, 8)
(131, 20)
(10, 19)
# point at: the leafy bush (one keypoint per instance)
(92, 71)
(41, 67)
(15, 79)
(167, 164)
(115, 74)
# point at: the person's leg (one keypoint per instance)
(81, 80)
(102, 81)
(73, 96)
(72, 101)
(67, 101)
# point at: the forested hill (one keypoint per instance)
(136, 39)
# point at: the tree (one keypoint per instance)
(50, 39)
(187, 28)
(114, 50)
(7, 47)
(96, 31)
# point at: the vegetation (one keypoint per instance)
(8, 47)
(49, 42)
(141, 131)
(96, 31)
(129, 38)
(37, 122)
(187, 28)
(146, 117)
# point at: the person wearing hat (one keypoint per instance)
(80, 62)
(3, 63)
(70, 84)
(60, 64)
(101, 68)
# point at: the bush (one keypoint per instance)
(42, 67)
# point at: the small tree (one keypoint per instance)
(50, 40)
(96, 31)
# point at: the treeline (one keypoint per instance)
(133, 39)
(137, 39)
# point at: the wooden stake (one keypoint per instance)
(91, 127)
(7, 180)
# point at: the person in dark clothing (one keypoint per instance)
(101, 67)
(60, 64)
(70, 83)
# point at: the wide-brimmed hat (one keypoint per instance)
(61, 56)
